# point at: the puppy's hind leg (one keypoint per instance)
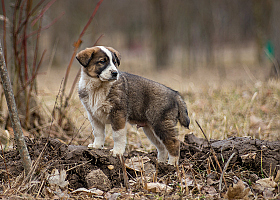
(167, 132)
(99, 134)
(173, 146)
(162, 151)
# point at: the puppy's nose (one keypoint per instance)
(114, 74)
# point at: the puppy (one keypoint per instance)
(114, 97)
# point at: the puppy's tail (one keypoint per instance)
(183, 112)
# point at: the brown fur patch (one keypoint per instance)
(172, 145)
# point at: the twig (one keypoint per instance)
(78, 75)
(212, 150)
(186, 185)
(42, 12)
(125, 178)
(78, 165)
(21, 146)
(38, 193)
(43, 28)
(21, 25)
(77, 44)
(55, 104)
(79, 130)
(224, 170)
(196, 185)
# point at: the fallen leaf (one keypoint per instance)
(188, 181)
(113, 196)
(210, 190)
(265, 184)
(58, 178)
(135, 163)
(249, 156)
(237, 191)
(158, 187)
(92, 191)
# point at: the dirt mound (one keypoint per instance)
(250, 160)
(252, 154)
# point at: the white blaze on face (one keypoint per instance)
(106, 74)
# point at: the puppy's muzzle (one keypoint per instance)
(114, 75)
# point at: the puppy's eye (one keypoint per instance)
(102, 61)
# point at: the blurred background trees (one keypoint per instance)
(186, 35)
(194, 28)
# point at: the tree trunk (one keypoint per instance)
(159, 29)
(19, 139)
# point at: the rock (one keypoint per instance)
(97, 179)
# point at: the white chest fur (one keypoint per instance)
(93, 94)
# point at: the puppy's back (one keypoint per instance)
(151, 101)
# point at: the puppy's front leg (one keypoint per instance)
(119, 137)
(99, 134)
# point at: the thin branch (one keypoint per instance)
(35, 75)
(224, 170)
(77, 45)
(212, 150)
(42, 12)
(21, 25)
(77, 76)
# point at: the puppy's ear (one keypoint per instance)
(85, 56)
(116, 53)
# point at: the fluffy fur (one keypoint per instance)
(117, 98)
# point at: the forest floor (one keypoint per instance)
(235, 168)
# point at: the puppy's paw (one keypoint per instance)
(116, 152)
(162, 156)
(173, 160)
(95, 146)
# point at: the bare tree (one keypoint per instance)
(159, 30)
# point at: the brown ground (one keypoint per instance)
(253, 160)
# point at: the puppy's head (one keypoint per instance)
(100, 62)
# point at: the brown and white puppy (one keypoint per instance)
(114, 97)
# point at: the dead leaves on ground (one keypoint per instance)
(263, 188)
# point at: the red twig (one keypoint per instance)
(77, 45)
(21, 25)
(24, 42)
(42, 12)
(44, 28)
(78, 74)
(27, 116)
(35, 75)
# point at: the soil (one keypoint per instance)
(259, 158)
